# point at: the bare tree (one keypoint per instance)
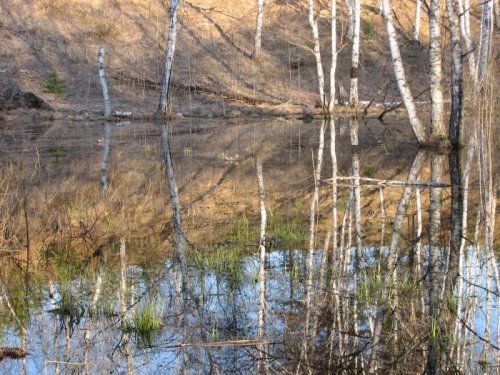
(485, 41)
(263, 363)
(333, 67)
(104, 83)
(399, 72)
(353, 89)
(313, 22)
(258, 28)
(436, 70)
(418, 11)
(457, 73)
(169, 57)
(350, 19)
(464, 16)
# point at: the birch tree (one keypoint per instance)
(418, 12)
(333, 67)
(436, 70)
(353, 89)
(313, 22)
(104, 83)
(464, 18)
(350, 19)
(258, 28)
(169, 57)
(456, 75)
(399, 72)
(485, 40)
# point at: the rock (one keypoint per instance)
(14, 98)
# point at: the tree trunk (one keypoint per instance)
(456, 76)
(350, 19)
(180, 239)
(105, 157)
(263, 367)
(258, 28)
(464, 16)
(418, 11)
(436, 70)
(392, 257)
(104, 83)
(399, 72)
(484, 50)
(436, 267)
(353, 89)
(317, 54)
(333, 67)
(169, 57)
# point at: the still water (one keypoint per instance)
(139, 249)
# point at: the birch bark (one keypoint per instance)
(435, 69)
(464, 16)
(399, 72)
(484, 50)
(104, 83)
(333, 67)
(258, 28)
(313, 22)
(353, 90)
(169, 57)
(418, 15)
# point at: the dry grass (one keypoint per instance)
(215, 42)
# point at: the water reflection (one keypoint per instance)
(363, 259)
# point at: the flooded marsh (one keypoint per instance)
(274, 246)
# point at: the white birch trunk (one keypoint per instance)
(258, 28)
(388, 278)
(317, 54)
(169, 57)
(353, 89)
(457, 74)
(399, 72)
(484, 50)
(333, 67)
(104, 83)
(350, 19)
(418, 16)
(436, 70)
(464, 14)
(263, 367)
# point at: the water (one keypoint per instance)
(78, 300)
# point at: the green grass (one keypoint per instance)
(145, 324)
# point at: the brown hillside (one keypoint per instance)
(213, 53)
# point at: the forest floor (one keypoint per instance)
(49, 48)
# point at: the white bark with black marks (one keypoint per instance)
(169, 57)
(464, 16)
(313, 22)
(436, 69)
(104, 83)
(353, 88)
(399, 72)
(485, 41)
(333, 67)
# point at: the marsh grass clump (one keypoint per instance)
(289, 232)
(69, 310)
(145, 324)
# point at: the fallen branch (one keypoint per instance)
(378, 182)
